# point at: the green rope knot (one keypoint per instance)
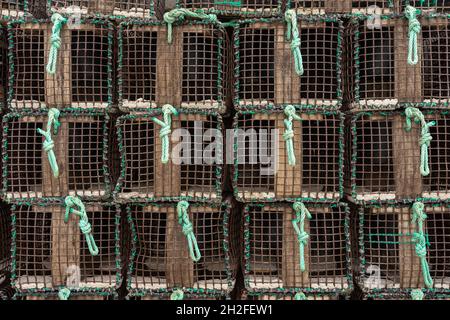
(177, 295)
(299, 296)
(188, 230)
(64, 294)
(55, 41)
(48, 144)
(413, 32)
(288, 134)
(293, 36)
(166, 129)
(426, 138)
(417, 294)
(83, 223)
(178, 15)
(302, 236)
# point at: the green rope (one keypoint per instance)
(425, 140)
(417, 294)
(83, 223)
(293, 36)
(165, 130)
(288, 134)
(302, 236)
(48, 145)
(180, 14)
(177, 295)
(188, 230)
(418, 217)
(414, 30)
(229, 3)
(299, 296)
(55, 40)
(64, 294)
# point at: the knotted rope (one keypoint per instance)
(83, 223)
(299, 296)
(293, 36)
(302, 236)
(64, 294)
(177, 295)
(288, 134)
(425, 140)
(188, 230)
(166, 129)
(55, 40)
(176, 15)
(413, 32)
(48, 145)
(418, 238)
(417, 294)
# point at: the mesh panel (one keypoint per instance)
(266, 65)
(429, 6)
(273, 258)
(49, 252)
(83, 68)
(5, 244)
(3, 67)
(339, 6)
(262, 170)
(261, 296)
(79, 151)
(244, 7)
(13, 9)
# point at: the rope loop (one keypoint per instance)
(166, 130)
(298, 223)
(288, 134)
(55, 41)
(188, 230)
(293, 36)
(299, 296)
(64, 294)
(413, 32)
(48, 144)
(177, 295)
(417, 294)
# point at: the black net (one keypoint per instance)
(5, 246)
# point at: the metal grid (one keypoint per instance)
(83, 77)
(14, 9)
(271, 257)
(388, 260)
(265, 72)
(81, 151)
(261, 169)
(192, 171)
(5, 246)
(3, 67)
(386, 158)
(342, 6)
(159, 255)
(383, 78)
(254, 8)
(188, 73)
(289, 295)
(49, 253)
(116, 8)
(428, 6)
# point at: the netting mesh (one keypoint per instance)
(80, 150)
(265, 64)
(120, 8)
(386, 158)
(189, 72)
(159, 255)
(14, 8)
(261, 169)
(194, 169)
(390, 260)
(83, 77)
(5, 245)
(271, 260)
(383, 78)
(3, 67)
(429, 6)
(241, 8)
(50, 253)
(287, 296)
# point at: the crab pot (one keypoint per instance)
(388, 260)
(428, 6)
(289, 295)
(81, 151)
(83, 77)
(384, 79)
(11, 9)
(105, 8)
(244, 8)
(386, 159)
(265, 70)
(3, 67)
(189, 72)
(159, 256)
(261, 168)
(271, 258)
(49, 253)
(194, 168)
(5, 246)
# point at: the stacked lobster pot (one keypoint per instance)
(398, 154)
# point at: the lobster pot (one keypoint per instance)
(5, 246)
(265, 69)
(244, 8)
(83, 77)
(388, 260)
(384, 79)
(289, 295)
(386, 159)
(272, 256)
(342, 6)
(194, 167)
(189, 72)
(80, 148)
(428, 6)
(11, 9)
(106, 8)
(159, 256)
(3, 67)
(261, 168)
(49, 253)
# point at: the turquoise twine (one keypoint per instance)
(414, 30)
(55, 40)
(64, 294)
(417, 294)
(177, 295)
(302, 236)
(288, 134)
(48, 145)
(83, 223)
(166, 129)
(299, 296)
(293, 36)
(188, 230)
